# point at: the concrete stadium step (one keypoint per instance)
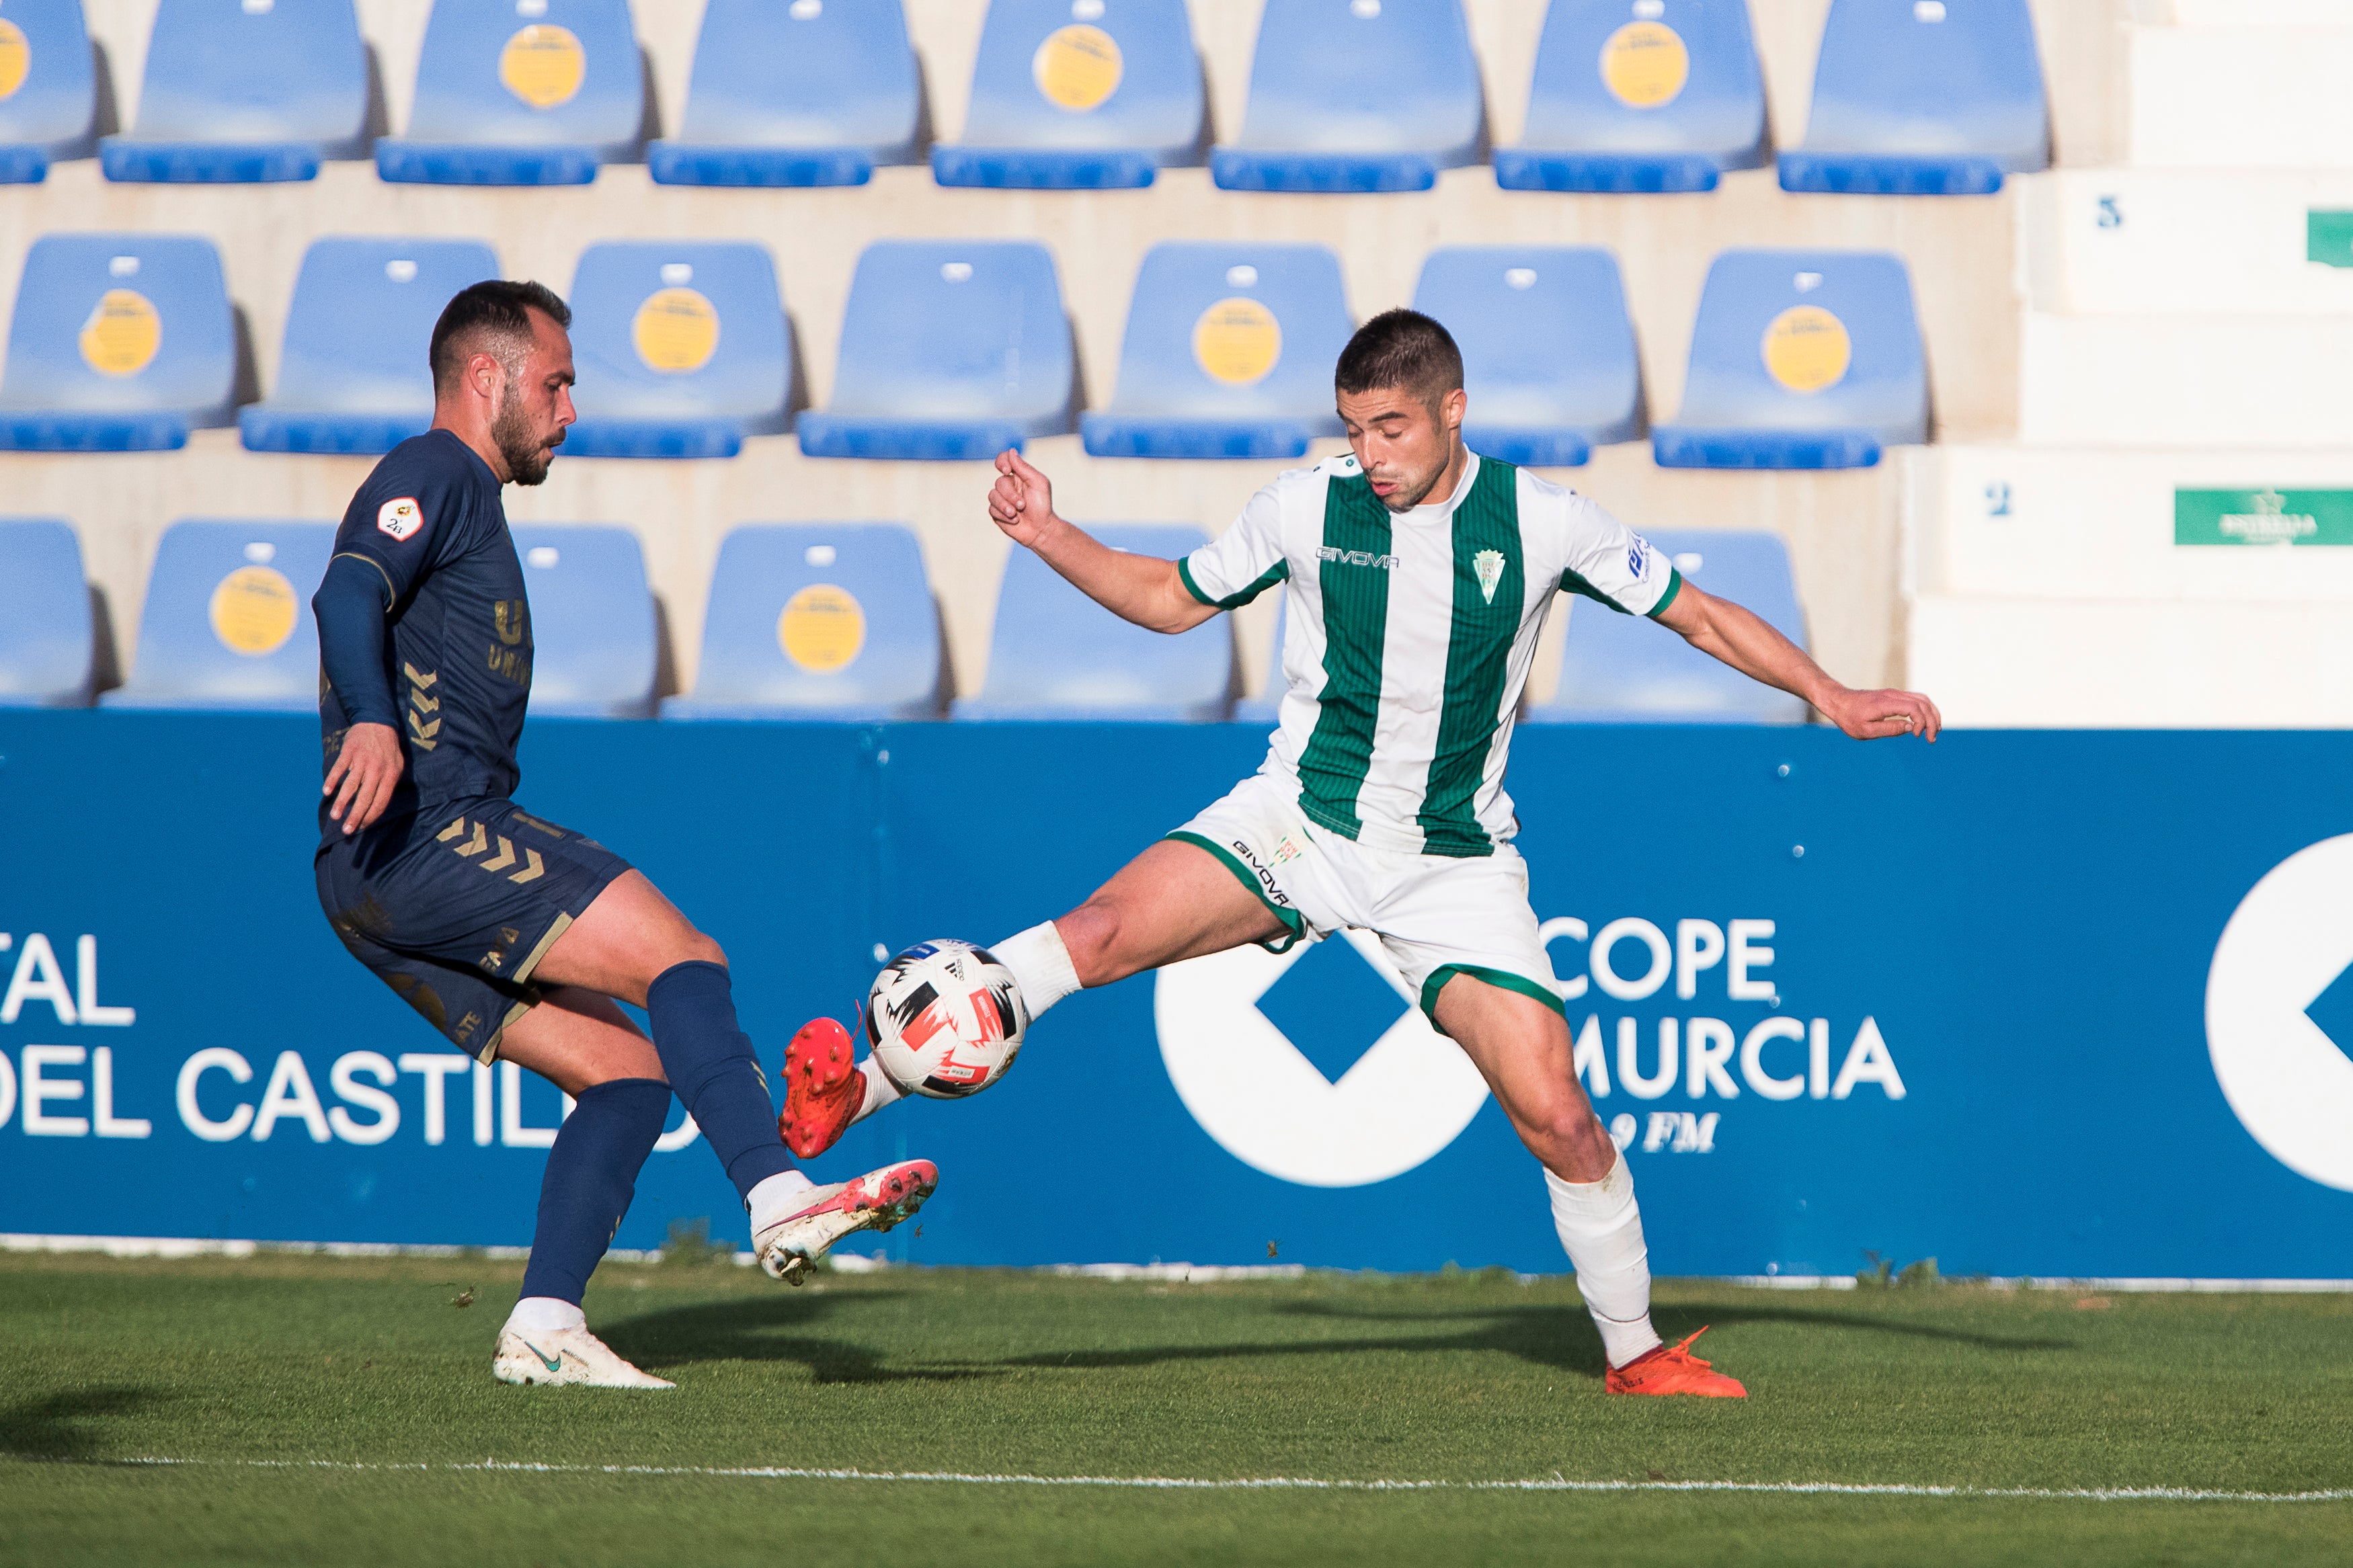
(2241, 97)
(2245, 13)
(2198, 382)
(2087, 664)
(2031, 523)
(2188, 241)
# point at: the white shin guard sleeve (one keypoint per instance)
(1040, 965)
(880, 1091)
(1600, 1229)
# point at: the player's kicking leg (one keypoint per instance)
(1522, 1049)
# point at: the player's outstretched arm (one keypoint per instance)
(1139, 588)
(1741, 639)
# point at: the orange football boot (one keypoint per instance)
(823, 1090)
(1672, 1369)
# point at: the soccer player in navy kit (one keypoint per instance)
(511, 935)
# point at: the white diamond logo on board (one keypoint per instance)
(2289, 1083)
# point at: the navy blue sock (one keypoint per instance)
(714, 1073)
(592, 1175)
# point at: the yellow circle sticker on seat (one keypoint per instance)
(253, 610)
(822, 628)
(1237, 341)
(1806, 348)
(15, 57)
(1645, 64)
(677, 329)
(543, 65)
(1077, 68)
(122, 334)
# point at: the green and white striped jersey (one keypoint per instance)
(1409, 636)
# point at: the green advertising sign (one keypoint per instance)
(2328, 237)
(2264, 516)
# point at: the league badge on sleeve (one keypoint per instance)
(399, 518)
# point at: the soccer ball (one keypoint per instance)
(945, 1019)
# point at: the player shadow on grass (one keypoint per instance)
(1561, 1338)
(58, 1426)
(769, 1329)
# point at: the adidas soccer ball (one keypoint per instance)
(945, 1019)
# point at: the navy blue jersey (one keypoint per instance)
(459, 656)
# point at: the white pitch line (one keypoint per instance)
(1286, 1483)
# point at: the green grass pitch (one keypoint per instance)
(334, 1410)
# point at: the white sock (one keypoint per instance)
(880, 1091)
(775, 1197)
(1040, 965)
(1600, 1229)
(544, 1315)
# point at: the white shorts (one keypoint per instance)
(1437, 915)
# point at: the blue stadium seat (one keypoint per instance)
(45, 625)
(683, 350)
(816, 92)
(119, 342)
(227, 620)
(1654, 95)
(951, 349)
(1078, 95)
(1801, 359)
(1356, 95)
(49, 89)
(1616, 668)
(521, 92)
(592, 622)
(818, 620)
(1941, 98)
(239, 92)
(1547, 350)
(1266, 708)
(1229, 354)
(1057, 654)
(353, 375)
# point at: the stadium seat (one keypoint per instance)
(683, 350)
(227, 620)
(1078, 95)
(811, 93)
(1547, 350)
(521, 92)
(119, 342)
(49, 89)
(1266, 708)
(244, 91)
(1801, 359)
(1663, 95)
(1925, 99)
(45, 622)
(950, 349)
(818, 620)
(1356, 95)
(1229, 354)
(592, 643)
(1057, 654)
(353, 375)
(1616, 668)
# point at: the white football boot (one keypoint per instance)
(567, 1355)
(875, 1201)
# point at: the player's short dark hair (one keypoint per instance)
(496, 308)
(1403, 349)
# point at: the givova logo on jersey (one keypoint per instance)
(1317, 1065)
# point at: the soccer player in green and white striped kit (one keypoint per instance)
(1420, 574)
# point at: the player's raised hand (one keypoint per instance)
(1021, 502)
(365, 769)
(1877, 715)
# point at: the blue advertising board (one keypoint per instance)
(2045, 1004)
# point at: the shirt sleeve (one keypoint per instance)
(1243, 562)
(403, 522)
(1611, 563)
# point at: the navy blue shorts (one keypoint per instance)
(454, 908)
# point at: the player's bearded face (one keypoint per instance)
(522, 441)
